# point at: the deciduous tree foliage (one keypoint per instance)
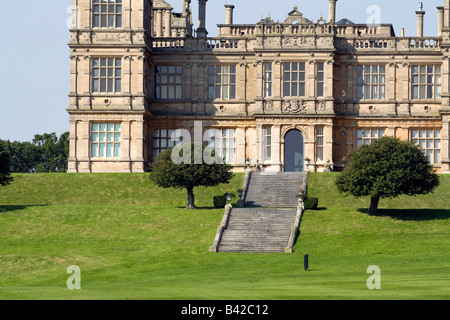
(166, 174)
(5, 162)
(46, 153)
(387, 168)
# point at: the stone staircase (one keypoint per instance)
(257, 230)
(270, 218)
(274, 190)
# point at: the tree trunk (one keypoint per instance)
(374, 205)
(191, 198)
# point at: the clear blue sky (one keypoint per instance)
(35, 66)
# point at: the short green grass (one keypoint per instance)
(133, 240)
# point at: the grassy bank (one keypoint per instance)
(133, 240)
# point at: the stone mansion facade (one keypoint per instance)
(277, 92)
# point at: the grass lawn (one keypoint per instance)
(133, 240)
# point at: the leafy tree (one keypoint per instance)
(387, 168)
(24, 156)
(53, 152)
(5, 163)
(167, 174)
(46, 153)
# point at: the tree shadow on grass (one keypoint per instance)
(411, 214)
(9, 208)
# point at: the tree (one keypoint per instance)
(24, 156)
(46, 153)
(53, 152)
(167, 174)
(387, 168)
(5, 165)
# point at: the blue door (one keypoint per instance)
(293, 151)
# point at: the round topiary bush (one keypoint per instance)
(311, 203)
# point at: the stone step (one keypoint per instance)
(256, 229)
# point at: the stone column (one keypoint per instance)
(72, 161)
(167, 24)
(240, 147)
(420, 15)
(440, 20)
(201, 31)
(84, 147)
(276, 148)
(229, 13)
(328, 143)
(158, 24)
(259, 144)
(137, 148)
(332, 11)
(445, 145)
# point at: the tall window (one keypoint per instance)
(319, 143)
(107, 13)
(224, 143)
(106, 75)
(367, 136)
(105, 140)
(222, 82)
(426, 82)
(371, 82)
(162, 141)
(320, 79)
(169, 82)
(294, 81)
(429, 141)
(267, 143)
(267, 80)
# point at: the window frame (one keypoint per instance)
(362, 84)
(230, 155)
(102, 72)
(220, 90)
(320, 83)
(166, 137)
(267, 139)
(102, 145)
(268, 80)
(320, 143)
(437, 137)
(298, 69)
(423, 73)
(370, 138)
(99, 15)
(164, 71)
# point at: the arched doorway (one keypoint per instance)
(293, 151)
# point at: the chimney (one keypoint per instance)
(420, 13)
(229, 13)
(403, 32)
(446, 14)
(440, 20)
(201, 31)
(332, 11)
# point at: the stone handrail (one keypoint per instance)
(390, 44)
(248, 175)
(200, 44)
(298, 218)
(221, 229)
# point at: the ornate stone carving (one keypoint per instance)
(268, 107)
(294, 106)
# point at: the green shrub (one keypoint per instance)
(220, 201)
(311, 203)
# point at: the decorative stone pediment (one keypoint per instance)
(296, 17)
